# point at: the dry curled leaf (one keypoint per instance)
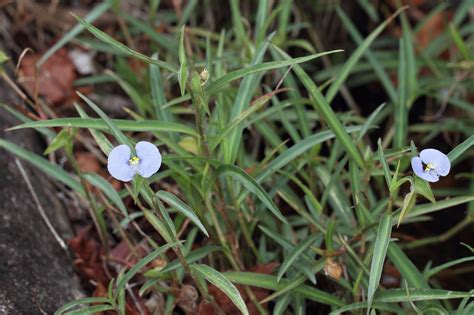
(333, 269)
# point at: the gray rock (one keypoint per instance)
(36, 274)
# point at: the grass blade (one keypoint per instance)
(118, 46)
(252, 185)
(355, 57)
(119, 136)
(294, 255)
(44, 165)
(183, 208)
(91, 17)
(378, 258)
(122, 124)
(401, 295)
(216, 85)
(109, 190)
(270, 283)
(461, 148)
(323, 107)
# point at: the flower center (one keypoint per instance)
(134, 161)
(429, 167)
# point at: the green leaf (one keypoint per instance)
(122, 124)
(183, 208)
(253, 186)
(460, 149)
(158, 225)
(419, 294)
(78, 302)
(93, 14)
(354, 59)
(132, 93)
(192, 257)
(408, 204)
(158, 93)
(439, 205)
(91, 310)
(380, 250)
(61, 139)
(325, 110)
(183, 68)
(383, 161)
(270, 283)
(3, 59)
(241, 101)
(119, 136)
(430, 273)
(376, 65)
(101, 140)
(216, 85)
(295, 254)
(223, 284)
(44, 131)
(43, 165)
(164, 41)
(142, 263)
(369, 121)
(459, 42)
(121, 48)
(423, 188)
(298, 149)
(109, 190)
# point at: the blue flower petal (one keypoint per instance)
(417, 166)
(117, 163)
(438, 158)
(150, 158)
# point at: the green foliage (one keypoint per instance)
(268, 164)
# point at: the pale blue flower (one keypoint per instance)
(123, 166)
(431, 164)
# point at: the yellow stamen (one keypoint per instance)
(134, 160)
(429, 166)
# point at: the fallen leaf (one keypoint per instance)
(53, 79)
(434, 27)
(88, 257)
(87, 162)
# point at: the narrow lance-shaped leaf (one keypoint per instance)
(330, 118)
(44, 165)
(121, 47)
(355, 57)
(93, 14)
(119, 136)
(378, 258)
(383, 161)
(221, 282)
(242, 99)
(183, 68)
(122, 124)
(108, 189)
(252, 185)
(182, 208)
(295, 254)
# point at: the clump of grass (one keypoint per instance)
(263, 168)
